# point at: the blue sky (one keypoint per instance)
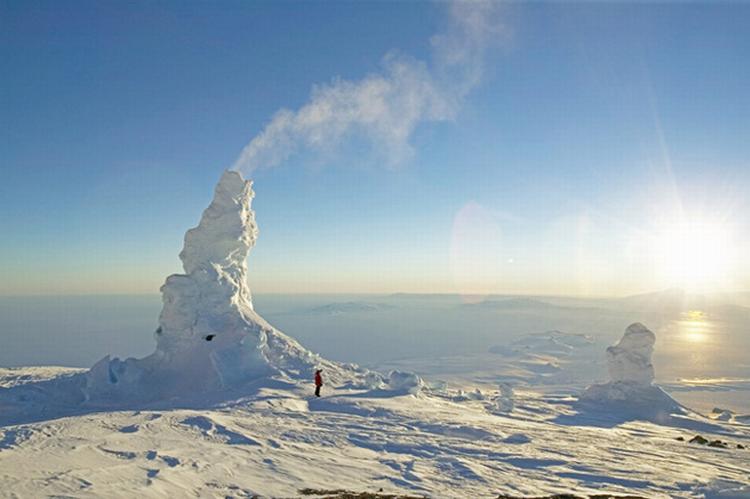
(600, 150)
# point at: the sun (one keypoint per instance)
(694, 253)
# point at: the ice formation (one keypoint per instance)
(404, 382)
(630, 359)
(504, 401)
(631, 374)
(209, 337)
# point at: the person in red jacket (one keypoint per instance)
(318, 382)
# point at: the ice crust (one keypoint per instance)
(209, 336)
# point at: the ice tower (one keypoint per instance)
(209, 336)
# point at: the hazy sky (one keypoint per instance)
(594, 148)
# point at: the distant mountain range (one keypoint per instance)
(348, 308)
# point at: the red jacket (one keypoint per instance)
(318, 379)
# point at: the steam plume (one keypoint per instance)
(385, 107)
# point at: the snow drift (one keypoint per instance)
(631, 376)
(209, 336)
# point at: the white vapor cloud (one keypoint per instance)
(385, 107)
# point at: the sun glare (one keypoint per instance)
(694, 254)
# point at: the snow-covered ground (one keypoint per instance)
(452, 399)
(279, 439)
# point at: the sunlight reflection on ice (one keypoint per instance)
(694, 326)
